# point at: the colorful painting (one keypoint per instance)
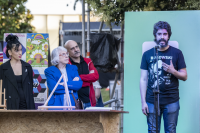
(37, 49)
(22, 40)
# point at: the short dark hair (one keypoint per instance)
(162, 25)
(12, 39)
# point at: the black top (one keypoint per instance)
(22, 103)
(19, 80)
(10, 84)
(83, 93)
(168, 83)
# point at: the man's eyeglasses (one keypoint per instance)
(64, 54)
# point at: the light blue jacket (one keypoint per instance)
(53, 75)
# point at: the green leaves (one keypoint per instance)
(14, 17)
(193, 4)
(114, 10)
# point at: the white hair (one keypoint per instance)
(55, 55)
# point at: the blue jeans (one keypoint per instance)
(170, 115)
(99, 102)
(85, 105)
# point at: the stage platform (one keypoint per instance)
(60, 121)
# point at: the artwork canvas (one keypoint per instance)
(22, 39)
(37, 49)
(39, 85)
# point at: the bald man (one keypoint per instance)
(87, 73)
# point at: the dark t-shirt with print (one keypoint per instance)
(168, 83)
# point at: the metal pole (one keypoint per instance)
(110, 101)
(111, 31)
(114, 85)
(156, 93)
(88, 31)
(122, 74)
(83, 28)
(116, 97)
(100, 27)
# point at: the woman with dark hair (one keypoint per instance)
(17, 77)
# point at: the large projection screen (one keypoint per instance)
(186, 31)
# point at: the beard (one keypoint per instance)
(158, 42)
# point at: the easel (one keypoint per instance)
(69, 106)
(2, 93)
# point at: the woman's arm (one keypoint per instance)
(51, 82)
(75, 85)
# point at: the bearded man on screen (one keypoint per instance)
(172, 70)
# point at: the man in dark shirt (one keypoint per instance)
(87, 73)
(171, 67)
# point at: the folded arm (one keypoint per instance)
(91, 77)
(75, 85)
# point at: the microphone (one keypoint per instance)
(157, 47)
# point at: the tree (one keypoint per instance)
(114, 10)
(193, 4)
(14, 17)
(169, 5)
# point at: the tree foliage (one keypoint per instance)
(193, 4)
(114, 10)
(14, 17)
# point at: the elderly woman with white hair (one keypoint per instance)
(60, 59)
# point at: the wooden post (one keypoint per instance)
(2, 105)
(4, 98)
